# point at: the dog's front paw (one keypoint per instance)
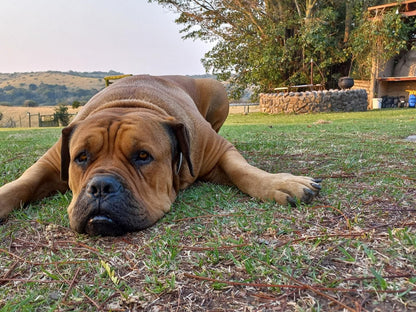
(309, 193)
(285, 188)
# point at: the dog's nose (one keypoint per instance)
(102, 186)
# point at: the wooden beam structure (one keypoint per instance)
(406, 8)
(411, 78)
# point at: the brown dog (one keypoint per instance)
(134, 146)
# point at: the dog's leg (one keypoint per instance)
(40, 180)
(213, 102)
(281, 187)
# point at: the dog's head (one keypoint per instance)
(123, 169)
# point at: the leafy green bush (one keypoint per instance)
(61, 113)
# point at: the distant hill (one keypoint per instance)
(71, 79)
(50, 88)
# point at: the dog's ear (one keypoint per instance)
(65, 156)
(181, 146)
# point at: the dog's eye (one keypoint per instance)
(142, 158)
(82, 158)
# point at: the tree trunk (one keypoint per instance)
(348, 19)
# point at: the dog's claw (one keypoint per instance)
(317, 186)
(292, 201)
(317, 180)
(308, 195)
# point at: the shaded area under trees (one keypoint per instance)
(271, 43)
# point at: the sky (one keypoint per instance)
(129, 36)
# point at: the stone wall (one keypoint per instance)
(364, 84)
(314, 101)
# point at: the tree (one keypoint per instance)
(76, 104)
(269, 43)
(379, 38)
(30, 103)
(61, 113)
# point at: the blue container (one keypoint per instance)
(412, 100)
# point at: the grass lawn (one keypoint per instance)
(352, 249)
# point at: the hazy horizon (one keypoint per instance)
(131, 36)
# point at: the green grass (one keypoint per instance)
(353, 248)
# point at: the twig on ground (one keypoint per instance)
(71, 285)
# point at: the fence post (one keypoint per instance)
(30, 124)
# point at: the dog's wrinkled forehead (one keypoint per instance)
(115, 132)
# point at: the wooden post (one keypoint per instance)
(311, 73)
(30, 124)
